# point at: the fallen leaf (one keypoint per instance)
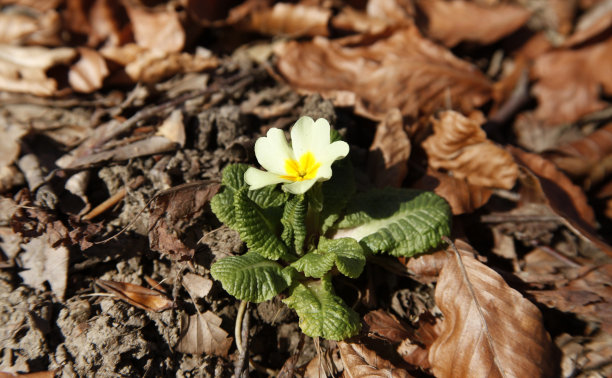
(360, 361)
(403, 70)
(173, 128)
(158, 29)
(463, 197)
(452, 22)
(150, 66)
(386, 326)
(569, 81)
(29, 28)
(389, 152)
(136, 295)
(43, 262)
(579, 157)
(497, 333)
(282, 19)
(40, 374)
(415, 350)
(460, 146)
(202, 334)
(88, 73)
(178, 204)
(197, 285)
(23, 69)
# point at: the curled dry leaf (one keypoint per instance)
(403, 70)
(361, 362)
(579, 157)
(498, 333)
(158, 29)
(202, 334)
(29, 28)
(136, 295)
(150, 66)
(452, 22)
(293, 20)
(570, 81)
(460, 146)
(461, 196)
(23, 69)
(88, 73)
(386, 326)
(389, 152)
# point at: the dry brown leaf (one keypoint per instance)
(202, 334)
(136, 295)
(461, 196)
(452, 22)
(173, 128)
(158, 29)
(565, 198)
(150, 66)
(360, 362)
(197, 285)
(386, 326)
(350, 19)
(403, 70)
(460, 146)
(23, 69)
(44, 262)
(172, 207)
(393, 11)
(88, 73)
(502, 331)
(283, 19)
(389, 152)
(29, 27)
(40, 374)
(570, 81)
(579, 157)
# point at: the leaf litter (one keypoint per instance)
(100, 95)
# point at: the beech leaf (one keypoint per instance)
(360, 361)
(460, 146)
(512, 341)
(136, 295)
(202, 334)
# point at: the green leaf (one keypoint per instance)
(294, 223)
(337, 191)
(251, 277)
(321, 312)
(315, 264)
(346, 253)
(400, 222)
(257, 228)
(232, 180)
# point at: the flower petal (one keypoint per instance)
(272, 151)
(308, 135)
(333, 152)
(256, 178)
(299, 187)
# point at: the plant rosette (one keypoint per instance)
(313, 226)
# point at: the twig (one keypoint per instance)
(241, 369)
(114, 199)
(478, 307)
(238, 326)
(519, 218)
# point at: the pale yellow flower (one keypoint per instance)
(298, 167)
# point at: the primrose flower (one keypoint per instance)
(307, 161)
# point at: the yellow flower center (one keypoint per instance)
(304, 169)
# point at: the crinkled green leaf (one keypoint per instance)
(232, 180)
(315, 264)
(251, 277)
(336, 193)
(321, 312)
(294, 223)
(400, 222)
(257, 228)
(346, 253)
